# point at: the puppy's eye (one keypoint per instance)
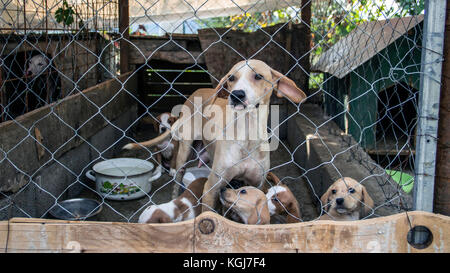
(258, 77)
(333, 191)
(243, 191)
(231, 78)
(274, 199)
(351, 190)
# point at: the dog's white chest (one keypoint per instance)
(166, 149)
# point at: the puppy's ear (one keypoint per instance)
(294, 212)
(261, 214)
(171, 120)
(325, 199)
(286, 87)
(367, 201)
(272, 178)
(165, 219)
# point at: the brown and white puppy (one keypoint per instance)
(346, 200)
(245, 91)
(186, 206)
(247, 205)
(281, 201)
(165, 151)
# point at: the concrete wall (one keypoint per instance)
(75, 134)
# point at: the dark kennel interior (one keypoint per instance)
(23, 93)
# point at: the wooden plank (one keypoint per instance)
(211, 232)
(442, 180)
(40, 235)
(124, 22)
(384, 234)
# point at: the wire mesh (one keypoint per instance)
(66, 109)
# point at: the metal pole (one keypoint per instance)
(430, 86)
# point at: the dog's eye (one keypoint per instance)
(231, 78)
(274, 199)
(333, 191)
(258, 76)
(351, 190)
(243, 191)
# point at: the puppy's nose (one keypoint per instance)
(339, 201)
(163, 129)
(238, 95)
(223, 189)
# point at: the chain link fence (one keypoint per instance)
(66, 106)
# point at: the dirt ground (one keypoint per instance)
(128, 211)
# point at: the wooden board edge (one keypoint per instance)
(210, 232)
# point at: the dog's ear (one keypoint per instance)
(286, 87)
(171, 120)
(162, 217)
(271, 177)
(367, 201)
(221, 89)
(293, 215)
(325, 199)
(261, 214)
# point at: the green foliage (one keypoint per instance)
(249, 22)
(65, 14)
(330, 20)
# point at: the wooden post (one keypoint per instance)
(2, 98)
(442, 181)
(306, 21)
(306, 13)
(124, 22)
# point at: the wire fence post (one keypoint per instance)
(430, 86)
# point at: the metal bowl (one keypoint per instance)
(193, 173)
(76, 209)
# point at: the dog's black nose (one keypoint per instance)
(339, 201)
(223, 189)
(163, 129)
(238, 96)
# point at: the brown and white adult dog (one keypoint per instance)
(167, 149)
(346, 200)
(244, 89)
(247, 205)
(186, 206)
(281, 201)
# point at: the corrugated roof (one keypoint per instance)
(364, 42)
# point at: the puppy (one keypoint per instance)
(186, 206)
(281, 201)
(247, 205)
(346, 200)
(169, 146)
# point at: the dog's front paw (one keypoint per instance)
(129, 146)
(172, 172)
(158, 169)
